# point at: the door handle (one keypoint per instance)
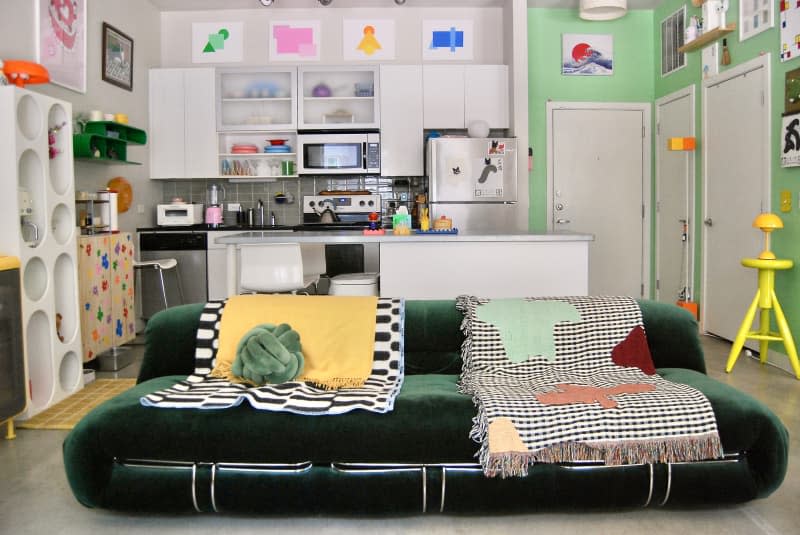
(562, 221)
(708, 222)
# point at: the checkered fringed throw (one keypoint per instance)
(201, 391)
(571, 379)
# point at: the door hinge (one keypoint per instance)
(641, 293)
(658, 285)
(643, 132)
(658, 128)
(642, 211)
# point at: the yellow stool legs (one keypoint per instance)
(10, 435)
(765, 300)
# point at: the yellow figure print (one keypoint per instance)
(369, 44)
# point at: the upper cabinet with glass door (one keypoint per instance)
(256, 99)
(338, 98)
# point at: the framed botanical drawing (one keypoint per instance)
(117, 57)
(61, 41)
(755, 16)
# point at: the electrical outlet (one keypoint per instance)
(139, 208)
(786, 201)
(234, 206)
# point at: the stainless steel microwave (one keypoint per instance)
(339, 153)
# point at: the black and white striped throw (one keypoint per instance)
(200, 391)
(552, 384)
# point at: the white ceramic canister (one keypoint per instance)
(108, 210)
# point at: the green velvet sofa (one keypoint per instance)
(417, 458)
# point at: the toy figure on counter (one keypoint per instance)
(373, 220)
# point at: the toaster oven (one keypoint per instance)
(179, 214)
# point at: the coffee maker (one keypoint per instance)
(215, 195)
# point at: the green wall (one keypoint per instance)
(637, 78)
(632, 80)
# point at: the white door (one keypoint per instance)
(674, 197)
(598, 180)
(737, 159)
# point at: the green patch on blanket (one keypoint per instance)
(526, 327)
(268, 354)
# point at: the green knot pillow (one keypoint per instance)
(268, 354)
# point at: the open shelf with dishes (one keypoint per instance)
(257, 156)
(338, 97)
(256, 99)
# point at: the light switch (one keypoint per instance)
(786, 201)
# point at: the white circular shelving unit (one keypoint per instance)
(34, 279)
(29, 117)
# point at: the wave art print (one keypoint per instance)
(587, 55)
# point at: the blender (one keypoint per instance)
(215, 194)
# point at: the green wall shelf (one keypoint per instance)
(106, 142)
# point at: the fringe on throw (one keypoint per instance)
(694, 448)
(223, 371)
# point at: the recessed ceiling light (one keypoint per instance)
(266, 3)
(325, 2)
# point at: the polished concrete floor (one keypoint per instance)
(35, 497)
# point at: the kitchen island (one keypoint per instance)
(442, 266)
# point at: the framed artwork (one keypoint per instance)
(370, 40)
(117, 57)
(587, 54)
(790, 31)
(790, 147)
(447, 40)
(217, 42)
(294, 40)
(755, 16)
(61, 41)
(710, 60)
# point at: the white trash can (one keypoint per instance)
(354, 284)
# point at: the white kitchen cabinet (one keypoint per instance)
(183, 141)
(455, 95)
(486, 95)
(443, 96)
(338, 98)
(401, 120)
(257, 99)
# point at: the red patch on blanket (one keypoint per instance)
(568, 394)
(633, 352)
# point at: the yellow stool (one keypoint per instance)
(765, 299)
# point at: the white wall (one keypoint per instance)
(176, 31)
(140, 21)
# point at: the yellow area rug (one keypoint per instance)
(68, 412)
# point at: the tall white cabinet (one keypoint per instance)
(37, 215)
(401, 120)
(183, 142)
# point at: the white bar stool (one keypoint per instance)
(161, 265)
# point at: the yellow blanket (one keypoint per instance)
(337, 334)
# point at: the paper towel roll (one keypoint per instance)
(108, 210)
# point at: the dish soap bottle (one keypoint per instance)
(726, 55)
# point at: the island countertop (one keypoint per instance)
(443, 266)
(349, 236)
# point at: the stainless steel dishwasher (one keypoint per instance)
(189, 249)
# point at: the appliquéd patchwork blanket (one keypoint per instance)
(571, 379)
(202, 390)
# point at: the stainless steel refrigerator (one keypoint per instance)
(473, 181)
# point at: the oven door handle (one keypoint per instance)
(364, 156)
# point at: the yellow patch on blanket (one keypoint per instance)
(337, 334)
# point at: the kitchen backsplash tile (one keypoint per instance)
(394, 192)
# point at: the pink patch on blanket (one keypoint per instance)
(568, 394)
(633, 352)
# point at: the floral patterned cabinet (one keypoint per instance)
(106, 292)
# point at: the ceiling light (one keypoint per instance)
(266, 3)
(325, 2)
(399, 2)
(603, 9)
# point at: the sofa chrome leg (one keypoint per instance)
(194, 488)
(213, 488)
(650, 490)
(424, 489)
(669, 485)
(444, 488)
